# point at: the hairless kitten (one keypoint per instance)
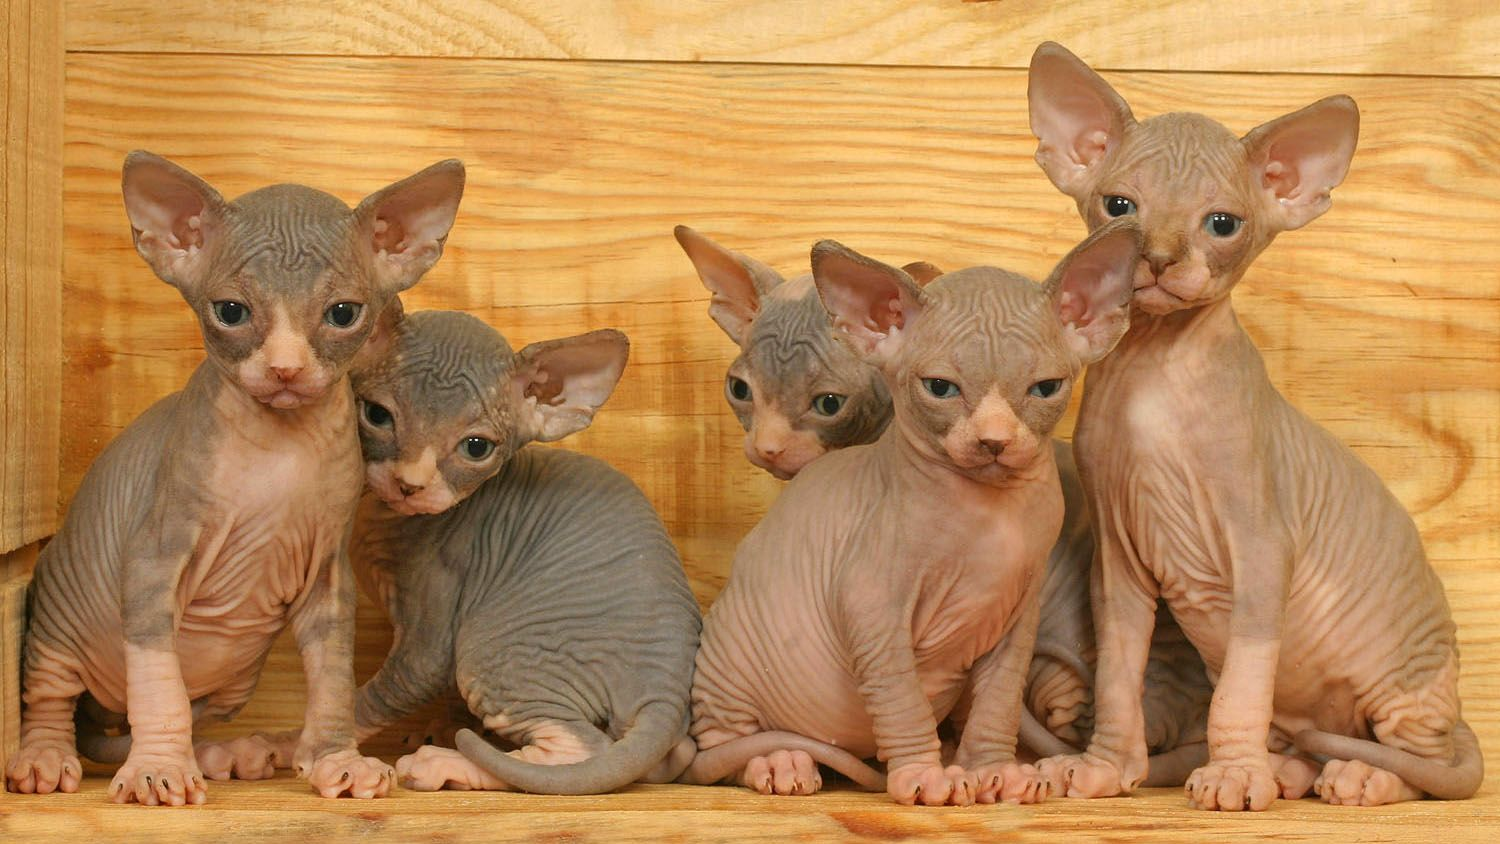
(797, 390)
(1297, 575)
(896, 584)
(222, 513)
(540, 580)
(791, 359)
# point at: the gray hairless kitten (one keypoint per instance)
(790, 358)
(896, 584)
(222, 513)
(540, 580)
(1290, 566)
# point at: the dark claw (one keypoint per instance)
(148, 779)
(345, 777)
(166, 785)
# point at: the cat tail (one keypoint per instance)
(730, 758)
(651, 739)
(1040, 740)
(1453, 781)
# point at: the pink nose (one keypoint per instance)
(407, 489)
(286, 373)
(770, 451)
(995, 446)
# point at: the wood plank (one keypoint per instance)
(284, 809)
(30, 268)
(1381, 320)
(12, 627)
(1455, 37)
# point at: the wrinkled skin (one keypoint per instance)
(894, 584)
(797, 391)
(1287, 563)
(221, 514)
(791, 358)
(538, 581)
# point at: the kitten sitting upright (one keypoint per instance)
(538, 580)
(797, 390)
(896, 584)
(1297, 575)
(221, 514)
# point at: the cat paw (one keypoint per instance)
(159, 780)
(1232, 786)
(433, 768)
(347, 772)
(1009, 782)
(42, 769)
(1294, 775)
(931, 785)
(784, 772)
(1356, 783)
(245, 758)
(1080, 775)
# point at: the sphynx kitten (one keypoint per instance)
(896, 584)
(222, 513)
(796, 389)
(538, 580)
(1296, 574)
(790, 358)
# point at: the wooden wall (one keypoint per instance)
(897, 127)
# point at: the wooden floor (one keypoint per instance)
(284, 810)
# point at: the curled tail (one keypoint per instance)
(1168, 768)
(657, 729)
(1453, 781)
(1039, 740)
(730, 758)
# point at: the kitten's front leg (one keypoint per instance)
(987, 746)
(877, 635)
(1238, 775)
(327, 753)
(1124, 616)
(161, 768)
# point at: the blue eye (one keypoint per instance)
(1220, 224)
(230, 312)
(342, 314)
(1118, 206)
(1045, 389)
(738, 388)
(828, 404)
(940, 388)
(376, 415)
(476, 448)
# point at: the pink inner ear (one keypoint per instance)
(389, 236)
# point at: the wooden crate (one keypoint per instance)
(896, 126)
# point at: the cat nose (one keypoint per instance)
(286, 373)
(1158, 261)
(768, 450)
(407, 489)
(995, 446)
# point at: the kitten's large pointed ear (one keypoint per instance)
(377, 346)
(737, 282)
(1298, 159)
(562, 383)
(1091, 288)
(404, 225)
(1077, 117)
(175, 217)
(871, 303)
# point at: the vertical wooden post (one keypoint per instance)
(30, 305)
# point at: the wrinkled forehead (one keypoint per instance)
(444, 364)
(988, 322)
(790, 337)
(1182, 149)
(287, 236)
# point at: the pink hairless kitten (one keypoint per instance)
(896, 584)
(221, 514)
(1297, 575)
(799, 391)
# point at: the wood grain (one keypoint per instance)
(284, 809)
(1381, 320)
(1455, 37)
(12, 628)
(30, 267)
